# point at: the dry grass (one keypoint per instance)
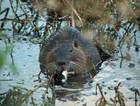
(100, 11)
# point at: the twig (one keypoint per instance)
(74, 10)
(121, 57)
(11, 55)
(25, 12)
(100, 89)
(14, 10)
(117, 87)
(101, 101)
(119, 98)
(126, 31)
(137, 93)
(7, 11)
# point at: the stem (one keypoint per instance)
(6, 14)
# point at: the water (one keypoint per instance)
(26, 59)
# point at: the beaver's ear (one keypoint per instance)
(75, 44)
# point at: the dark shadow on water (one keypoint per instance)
(72, 88)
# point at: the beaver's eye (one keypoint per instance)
(75, 44)
(71, 50)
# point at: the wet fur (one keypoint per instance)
(82, 58)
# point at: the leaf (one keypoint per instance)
(3, 56)
(2, 60)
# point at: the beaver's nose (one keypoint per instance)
(60, 63)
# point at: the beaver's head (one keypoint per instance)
(65, 59)
(66, 54)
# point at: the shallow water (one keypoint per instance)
(26, 54)
(26, 59)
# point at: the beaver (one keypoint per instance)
(67, 54)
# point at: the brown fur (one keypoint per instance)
(68, 50)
